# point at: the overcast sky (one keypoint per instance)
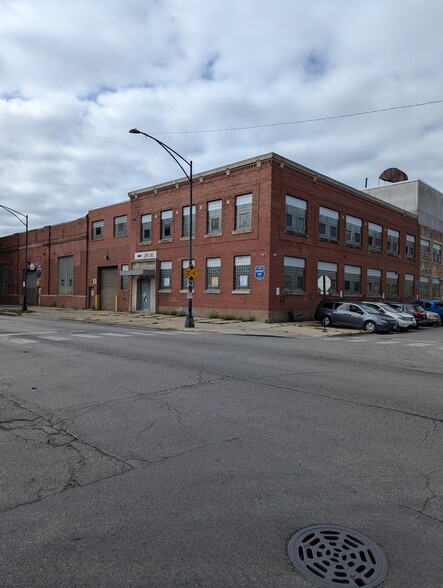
(76, 75)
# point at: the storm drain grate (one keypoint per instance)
(331, 555)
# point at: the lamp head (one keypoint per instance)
(136, 131)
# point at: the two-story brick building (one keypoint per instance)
(264, 230)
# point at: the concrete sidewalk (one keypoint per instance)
(177, 323)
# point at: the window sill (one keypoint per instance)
(186, 238)
(245, 291)
(371, 250)
(213, 291)
(164, 291)
(294, 293)
(241, 231)
(297, 233)
(97, 238)
(142, 243)
(119, 236)
(392, 254)
(186, 290)
(168, 240)
(217, 234)
(326, 240)
(354, 245)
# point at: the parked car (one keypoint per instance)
(417, 312)
(325, 307)
(404, 320)
(432, 306)
(434, 319)
(359, 316)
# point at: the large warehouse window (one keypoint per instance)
(294, 275)
(295, 215)
(328, 227)
(242, 271)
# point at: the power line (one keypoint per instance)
(299, 122)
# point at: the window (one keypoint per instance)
(353, 230)
(373, 282)
(146, 226)
(330, 270)
(410, 246)
(435, 287)
(424, 284)
(213, 220)
(242, 271)
(185, 281)
(294, 275)
(65, 276)
(295, 215)
(425, 249)
(165, 275)
(166, 225)
(124, 285)
(328, 228)
(374, 237)
(120, 226)
(409, 285)
(392, 284)
(436, 252)
(4, 279)
(352, 279)
(213, 273)
(97, 230)
(243, 212)
(393, 241)
(186, 221)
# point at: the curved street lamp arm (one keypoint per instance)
(17, 214)
(169, 150)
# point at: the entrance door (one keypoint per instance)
(108, 287)
(145, 295)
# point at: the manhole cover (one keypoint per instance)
(331, 555)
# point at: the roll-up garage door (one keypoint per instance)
(108, 287)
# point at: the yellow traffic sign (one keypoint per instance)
(191, 272)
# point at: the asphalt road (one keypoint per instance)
(135, 457)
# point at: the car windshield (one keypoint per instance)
(370, 310)
(388, 308)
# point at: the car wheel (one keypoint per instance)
(369, 327)
(326, 321)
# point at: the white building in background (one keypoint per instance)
(427, 203)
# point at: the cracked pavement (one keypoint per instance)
(169, 459)
(40, 459)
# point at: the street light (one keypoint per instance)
(189, 318)
(17, 215)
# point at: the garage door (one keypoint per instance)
(108, 287)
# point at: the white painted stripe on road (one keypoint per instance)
(418, 344)
(22, 341)
(387, 342)
(19, 334)
(54, 338)
(114, 335)
(84, 336)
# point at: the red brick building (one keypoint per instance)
(264, 230)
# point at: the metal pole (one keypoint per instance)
(25, 282)
(189, 317)
(324, 300)
(174, 154)
(17, 215)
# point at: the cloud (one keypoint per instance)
(75, 76)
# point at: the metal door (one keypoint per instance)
(145, 295)
(108, 287)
